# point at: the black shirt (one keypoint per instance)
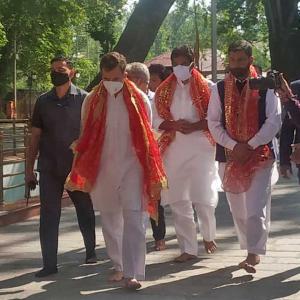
(59, 120)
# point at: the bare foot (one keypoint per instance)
(160, 245)
(250, 262)
(116, 276)
(184, 257)
(210, 247)
(132, 284)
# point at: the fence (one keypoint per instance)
(14, 138)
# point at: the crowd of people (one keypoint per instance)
(145, 138)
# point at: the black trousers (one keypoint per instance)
(159, 230)
(51, 190)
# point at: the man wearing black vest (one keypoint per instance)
(243, 122)
(55, 125)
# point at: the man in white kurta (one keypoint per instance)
(189, 164)
(118, 189)
(118, 193)
(250, 209)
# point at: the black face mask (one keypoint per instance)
(58, 78)
(240, 73)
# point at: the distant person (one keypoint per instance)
(290, 98)
(158, 73)
(289, 135)
(139, 74)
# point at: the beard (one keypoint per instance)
(240, 73)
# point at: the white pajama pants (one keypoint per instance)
(185, 226)
(251, 211)
(124, 234)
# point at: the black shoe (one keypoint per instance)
(91, 260)
(46, 272)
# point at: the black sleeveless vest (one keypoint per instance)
(220, 150)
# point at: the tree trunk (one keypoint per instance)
(141, 30)
(284, 36)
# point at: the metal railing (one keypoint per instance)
(14, 139)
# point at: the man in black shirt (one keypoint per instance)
(55, 125)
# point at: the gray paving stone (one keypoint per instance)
(210, 277)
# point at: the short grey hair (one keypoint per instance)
(138, 70)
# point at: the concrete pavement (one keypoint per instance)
(210, 277)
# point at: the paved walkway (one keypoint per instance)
(210, 277)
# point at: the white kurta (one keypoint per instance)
(118, 192)
(119, 166)
(190, 159)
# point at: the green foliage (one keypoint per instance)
(261, 56)
(41, 29)
(86, 71)
(236, 19)
(244, 19)
(3, 39)
(103, 19)
(244, 16)
(79, 29)
(3, 115)
(179, 28)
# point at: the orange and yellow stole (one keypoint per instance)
(88, 148)
(242, 123)
(200, 94)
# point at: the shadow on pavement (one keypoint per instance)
(86, 281)
(220, 284)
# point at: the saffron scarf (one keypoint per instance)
(242, 123)
(88, 148)
(200, 94)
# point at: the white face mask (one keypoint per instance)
(182, 72)
(113, 87)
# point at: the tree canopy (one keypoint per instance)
(41, 30)
(236, 19)
(104, 21)
(44, 28)
(244, 19)
(179, 28)
(3, 39)
(85, 29)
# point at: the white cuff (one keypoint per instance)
(230, 144)
(253, 143)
